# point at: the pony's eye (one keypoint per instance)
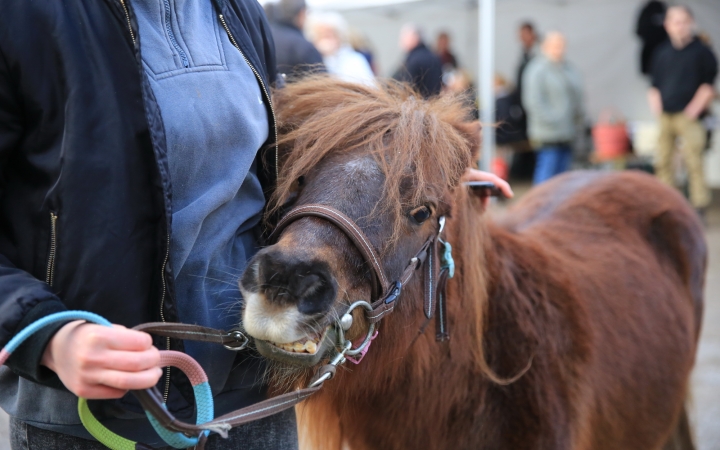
(420, 214)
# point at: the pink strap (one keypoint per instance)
(189, 366)
(361, 355)
(4, 355)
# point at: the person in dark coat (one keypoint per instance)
(523, 162)
(442, 49)
(651, 31)
(422, 68)
(528, 38)
(683, 74)
(135, 157)
(295, 55)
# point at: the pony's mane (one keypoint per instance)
(430, 141)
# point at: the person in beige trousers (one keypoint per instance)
(683, 73)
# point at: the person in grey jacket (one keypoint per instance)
(552, 96)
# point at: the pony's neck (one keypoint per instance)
(446, 385)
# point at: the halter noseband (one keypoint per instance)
(384, 295)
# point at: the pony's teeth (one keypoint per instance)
(310, 346)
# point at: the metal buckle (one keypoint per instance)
(341, 333)
(240, 338)
(338, 360)
(395, 292)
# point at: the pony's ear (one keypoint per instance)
(472, 132)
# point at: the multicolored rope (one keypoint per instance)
(45, 321)
(203, 398)
(195, 373)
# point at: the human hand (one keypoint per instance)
(692, 112)
(479, 175)
(98, 362)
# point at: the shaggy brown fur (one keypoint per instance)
(596, 279)
(321, 117)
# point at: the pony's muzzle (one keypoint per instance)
(287, 299)
(290, 280)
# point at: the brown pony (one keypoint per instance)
(574, 319)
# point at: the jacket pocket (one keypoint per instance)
(52, 253)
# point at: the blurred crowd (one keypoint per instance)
(539, 111)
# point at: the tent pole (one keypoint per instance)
(486, 22)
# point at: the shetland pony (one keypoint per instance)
(573, 319)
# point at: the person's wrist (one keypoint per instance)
(48, 357)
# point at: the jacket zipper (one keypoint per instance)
(171, 35)
(167, 250)
(50, 273)
(127, 17)
(162, 317)
(264, 88)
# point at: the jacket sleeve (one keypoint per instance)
(709, 70)
(23, 298)
(268, 47)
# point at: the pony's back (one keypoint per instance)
(608, 236)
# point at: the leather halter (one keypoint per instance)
(384, 295)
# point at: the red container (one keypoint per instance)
(500, 167)
(610, 137)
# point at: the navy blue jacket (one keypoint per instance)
(296, 56)
(85, 209)
(423, 70)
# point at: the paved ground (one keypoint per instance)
(4, 433)
(706, 378)
(705, 408)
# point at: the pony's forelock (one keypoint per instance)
(424, 140)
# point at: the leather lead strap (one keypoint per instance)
(151, 401)
(187, 332)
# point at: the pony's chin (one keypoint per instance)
(297, 353)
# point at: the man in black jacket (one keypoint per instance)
(422, 68)
(131, 185)
(683, 77)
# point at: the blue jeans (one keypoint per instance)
(551, 160)
(274, 432)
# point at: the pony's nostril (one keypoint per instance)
(315, 293)
(309, 285)
(286, 279)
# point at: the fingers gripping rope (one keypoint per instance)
(197, 377)
(45, 321)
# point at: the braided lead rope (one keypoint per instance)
(203, 394)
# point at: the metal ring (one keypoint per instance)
(323, 378)
(355, 351)
(239, 337)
